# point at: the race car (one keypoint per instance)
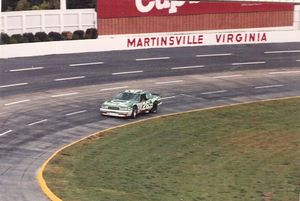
(130, 103)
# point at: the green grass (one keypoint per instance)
(241, 153)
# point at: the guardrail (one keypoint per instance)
(47, 20)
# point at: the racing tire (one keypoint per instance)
(134, 112)
(154, 108)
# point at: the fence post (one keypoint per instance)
(1, 25)
(63, 4)
(24, 25)
(80, 20)
(43, 24)
(62, 21)
(63, 7)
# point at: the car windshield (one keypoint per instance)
(127, 96)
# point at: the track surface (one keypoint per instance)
(47, 102)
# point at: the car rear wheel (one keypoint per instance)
(154, 108)
(134, 112)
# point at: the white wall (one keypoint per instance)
(47, 20)
(297, 17)
(121, 42)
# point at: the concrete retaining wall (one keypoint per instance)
(143, 41)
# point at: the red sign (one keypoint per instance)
(141, 8)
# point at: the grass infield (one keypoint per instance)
(241, 153)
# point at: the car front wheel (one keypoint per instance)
(134, 112)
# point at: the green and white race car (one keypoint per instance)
(130, 103)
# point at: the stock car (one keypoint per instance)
(130, 103)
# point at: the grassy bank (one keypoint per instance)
(246, 152)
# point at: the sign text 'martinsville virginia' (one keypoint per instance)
(197, 39)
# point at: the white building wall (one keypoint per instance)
(297, 17)
(19, 22)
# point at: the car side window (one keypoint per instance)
(143, 97)
(148, 95)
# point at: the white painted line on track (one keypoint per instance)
(269, 86)
(298, 60)
(187, 67)
(128, 72)
(169, 82)
(248, 63)
(114, 88)
(13, 85)
(6, 132)
(214, 92)
(62, 95)
(74, 113)
(169, 97)
(37, 122)
(26, 69)
(69, 78)
(227, 76)
(282, 51)
(153, 58)
(284, 72)
(86, 64)
(17, 102)
(214, 55)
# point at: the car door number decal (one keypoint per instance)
(146, 105)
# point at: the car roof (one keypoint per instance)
(135, 91)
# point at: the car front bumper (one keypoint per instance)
(115, 113)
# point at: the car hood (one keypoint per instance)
(119, 103)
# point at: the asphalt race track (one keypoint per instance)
(47, 102)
